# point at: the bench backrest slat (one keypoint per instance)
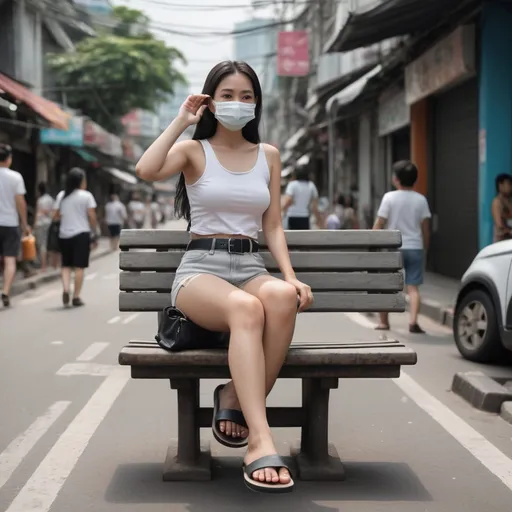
(308, 240)
(356, 270)
(336, 261)
(319, 281)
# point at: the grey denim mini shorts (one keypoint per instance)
(237, 269)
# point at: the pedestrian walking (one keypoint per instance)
(115, 217)
(502, 208)
(229, 188)
(155, 211)
(75, 208)
(136, 212)
(13, 215)
(301, 199)
(43, 220)
(407, 211)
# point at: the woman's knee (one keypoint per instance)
(278, 296)
(246, 310)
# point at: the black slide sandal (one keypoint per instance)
(227, 415)
(270, 461)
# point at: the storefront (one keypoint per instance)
(446, 75)
(394, 137)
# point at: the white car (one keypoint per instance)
(482, 325)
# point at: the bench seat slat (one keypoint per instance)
(319, 281)
(301, 344)
(358, 356)
(169, 239)
(324, 302)
(301, 261)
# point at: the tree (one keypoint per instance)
(110, 75)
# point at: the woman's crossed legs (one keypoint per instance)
(261, 319)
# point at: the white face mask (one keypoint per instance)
(234, 115)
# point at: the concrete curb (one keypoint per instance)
(435, 311)
(481, 391)
(31, 283)
(506, 411)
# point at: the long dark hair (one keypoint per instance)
(74, 180)
(207, 125)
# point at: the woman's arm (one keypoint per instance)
(272, 222)
(164, 158)
(274, 233)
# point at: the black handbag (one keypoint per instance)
(176, 333)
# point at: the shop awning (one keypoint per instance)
(294, 139)
(350, 93)
(391, 18)
(123, 176)
(45, 108)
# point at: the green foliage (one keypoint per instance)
(110, 75)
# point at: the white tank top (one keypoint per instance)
(222, 201)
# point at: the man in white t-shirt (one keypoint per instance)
(137, 212)
(407, 211)
(13, 212)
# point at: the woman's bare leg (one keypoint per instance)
(279, 301)
(216, 305)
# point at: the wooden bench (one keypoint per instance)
(349, 271)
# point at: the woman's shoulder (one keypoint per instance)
(270, 150)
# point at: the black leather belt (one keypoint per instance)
(231, 245)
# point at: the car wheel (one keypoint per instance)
(475, 328)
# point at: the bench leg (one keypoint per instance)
(186, 459)
(316, 458)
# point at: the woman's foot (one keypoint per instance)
(382, 327)
(65, 298)
(6, 301)
(229, 400)
(268, 475)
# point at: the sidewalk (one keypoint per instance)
(22, 284)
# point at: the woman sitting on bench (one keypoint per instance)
(229, 189)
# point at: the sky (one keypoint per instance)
(197, 17)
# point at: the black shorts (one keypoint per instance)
(298, 223)
(10, 240)
(114, 230)
(75, 251)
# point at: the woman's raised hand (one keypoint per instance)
(192, 109)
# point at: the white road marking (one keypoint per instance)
(39, 298)
(114, 320)
(90, 277)
(360, 319)
(89, 369)
(57, 343)
(476, 444)
(93, 351)
(20, 447)
(40, 491)
(130, 318)
(111, 276)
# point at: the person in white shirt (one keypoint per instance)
(13, 211)
(137, 212)
(301, 198)
(115, 217)
(407, 211)
(44, 207)
(156, 211)
(75, 207)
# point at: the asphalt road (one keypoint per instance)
(77, 434)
